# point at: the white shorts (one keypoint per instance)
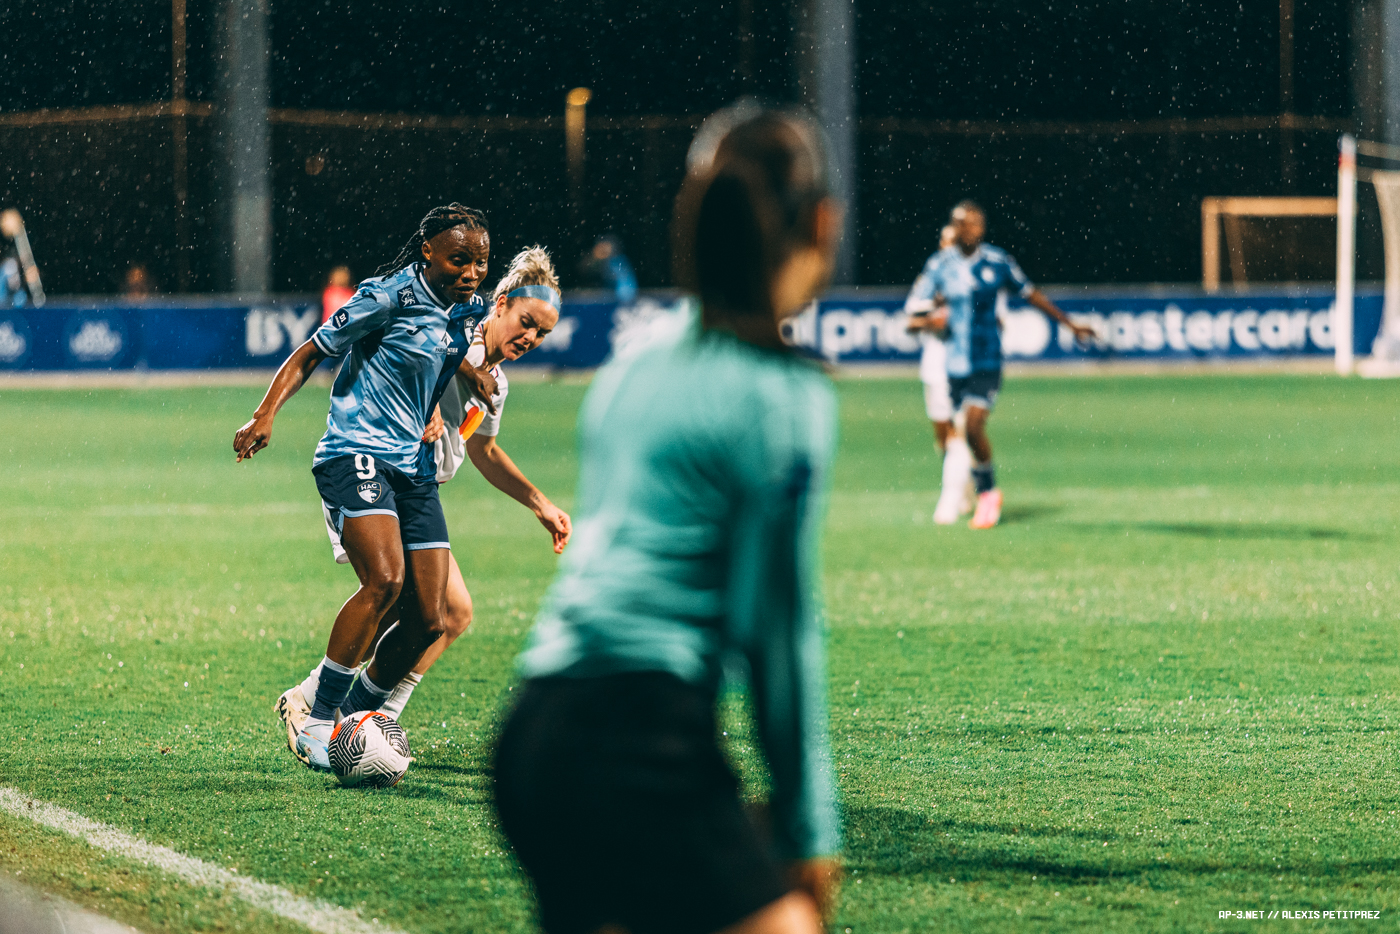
(937, 403)
(933, 372)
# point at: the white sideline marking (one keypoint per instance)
(314, 913)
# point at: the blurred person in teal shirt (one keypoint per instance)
(705, 455)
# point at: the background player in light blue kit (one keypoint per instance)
(967, 284)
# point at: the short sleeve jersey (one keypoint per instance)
(402, 345)
(974, 287)
(464, 415)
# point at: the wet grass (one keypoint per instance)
(1164, 688)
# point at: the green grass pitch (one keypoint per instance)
(1166, 687)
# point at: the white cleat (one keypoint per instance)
(313, 745)
(946, 512)
(294, 711)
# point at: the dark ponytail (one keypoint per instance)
(755, 178)
(434, 222)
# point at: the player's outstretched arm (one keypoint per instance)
(1042, 301)
(291, 376)
(489, 458)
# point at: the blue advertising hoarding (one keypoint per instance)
(1180, 325)
(861, 327)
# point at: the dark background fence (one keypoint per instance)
(1090, 131)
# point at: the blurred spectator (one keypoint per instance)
(12, 293)
(340, 288)
(139, 283)
(606, 266)
(19, 277)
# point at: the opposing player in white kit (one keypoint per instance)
(526, 308)
(954, 501)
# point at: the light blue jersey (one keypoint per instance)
(974, 287)
(404, 345)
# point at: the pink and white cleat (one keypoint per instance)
(988, 510)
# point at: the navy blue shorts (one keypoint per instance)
(355, 485)
(978, 389)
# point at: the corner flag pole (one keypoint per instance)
(1343, 308)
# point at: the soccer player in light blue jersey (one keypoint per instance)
(525, 309)
(961, 289)
(705, 452)
(405, 335)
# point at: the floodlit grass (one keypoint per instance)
(1164, 688)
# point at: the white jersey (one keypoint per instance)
(465, 415)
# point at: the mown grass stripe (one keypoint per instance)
(318, 915)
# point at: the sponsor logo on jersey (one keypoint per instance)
(339, 318)
(988, 274)
(406, 296)
(370, 491)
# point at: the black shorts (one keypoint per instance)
(622, 808)
(979, 389)
(359, 485)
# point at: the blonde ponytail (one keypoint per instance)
(531, 266)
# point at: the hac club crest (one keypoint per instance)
(406, 296)
(370, 491)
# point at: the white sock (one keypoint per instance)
(370, 686)
(957, 466)
(399, 696)
(309, 686)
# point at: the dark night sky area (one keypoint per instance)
(984, 59)
(1098, 206)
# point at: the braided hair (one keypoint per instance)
(441, 218)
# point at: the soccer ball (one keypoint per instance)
(369, 748)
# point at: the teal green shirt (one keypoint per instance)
(704, 465)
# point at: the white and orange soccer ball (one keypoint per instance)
(369, 748)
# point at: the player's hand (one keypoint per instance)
(482, 382)
(1083, 333)
(252, 437)
(819, 878)
(435, 428)
(919, 322)
(938, 320)
(558, 524)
